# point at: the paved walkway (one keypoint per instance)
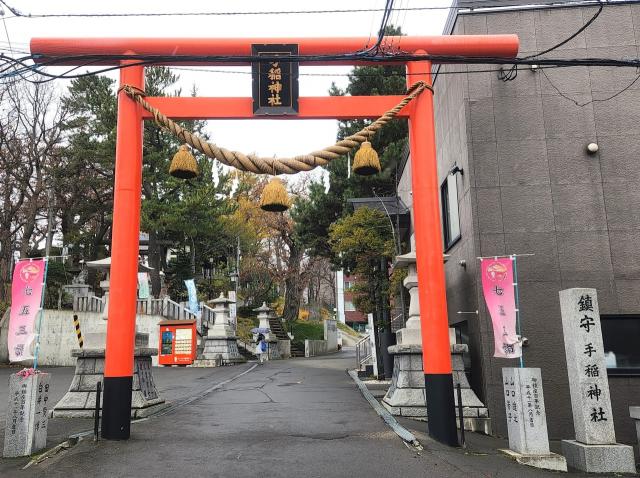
(300, 417)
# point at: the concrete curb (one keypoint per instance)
(399, 430)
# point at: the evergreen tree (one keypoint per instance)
(314, 213)
(177, 214)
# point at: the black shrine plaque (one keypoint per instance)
(275, 83)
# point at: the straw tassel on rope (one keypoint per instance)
(275, 197)
(273, 166)
(366, 161)
(184, 165)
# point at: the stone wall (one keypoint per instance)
(313, 348)
(284, 348)
(331, 334)
(58, 335)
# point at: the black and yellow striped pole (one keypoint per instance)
(76, 324)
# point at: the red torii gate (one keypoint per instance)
(128, 175)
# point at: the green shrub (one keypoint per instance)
(307, 331)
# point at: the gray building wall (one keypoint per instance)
(530, 187)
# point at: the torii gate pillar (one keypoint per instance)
(118, 364)
(434, 324)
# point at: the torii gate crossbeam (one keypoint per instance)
(128, 175)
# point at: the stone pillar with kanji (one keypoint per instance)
(527, 419)
(27, 414)
(595, 448)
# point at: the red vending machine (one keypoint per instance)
(177, 342)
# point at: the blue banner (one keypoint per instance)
(194, 306)
(143, 285)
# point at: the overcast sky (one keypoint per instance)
(261, 136)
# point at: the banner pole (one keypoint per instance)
(40, 313)
(517, 297)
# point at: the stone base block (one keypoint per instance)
(205, 363)
(477, 425)
(80, 400)
(409, 412)
(470, 400)
(153, 407)
(552, 461)
(406, 396)
(274, 350)
(227, 347)
(613, 458)
(409, 337)
(284, 349)
(471, 424)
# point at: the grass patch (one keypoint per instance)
(307, 331)
(349, 331)
(245, 324)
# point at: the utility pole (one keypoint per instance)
(386, 337)
(373, 292)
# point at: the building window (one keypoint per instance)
(348, 306)
(621, 352)
(450, 218)
(347, 285)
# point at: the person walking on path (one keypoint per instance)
(261, 349)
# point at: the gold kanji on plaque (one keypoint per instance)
(275, 88)
(275, 72)
(274, 100)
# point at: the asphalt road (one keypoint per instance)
(301, 417)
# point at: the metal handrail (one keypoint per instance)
(363, 352)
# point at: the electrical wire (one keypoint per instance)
(4, 22)
(512, 73)
(400, 23)
(567, 40)
(371, 54)
(21, 67)
(18, 14)
(375, 48)
(593, 100)
(380, 58)
(334, 75)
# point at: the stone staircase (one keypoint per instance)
(275, 325)
(245, 351)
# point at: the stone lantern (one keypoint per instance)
(221, 339)
(406, 395)
(264, 313)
